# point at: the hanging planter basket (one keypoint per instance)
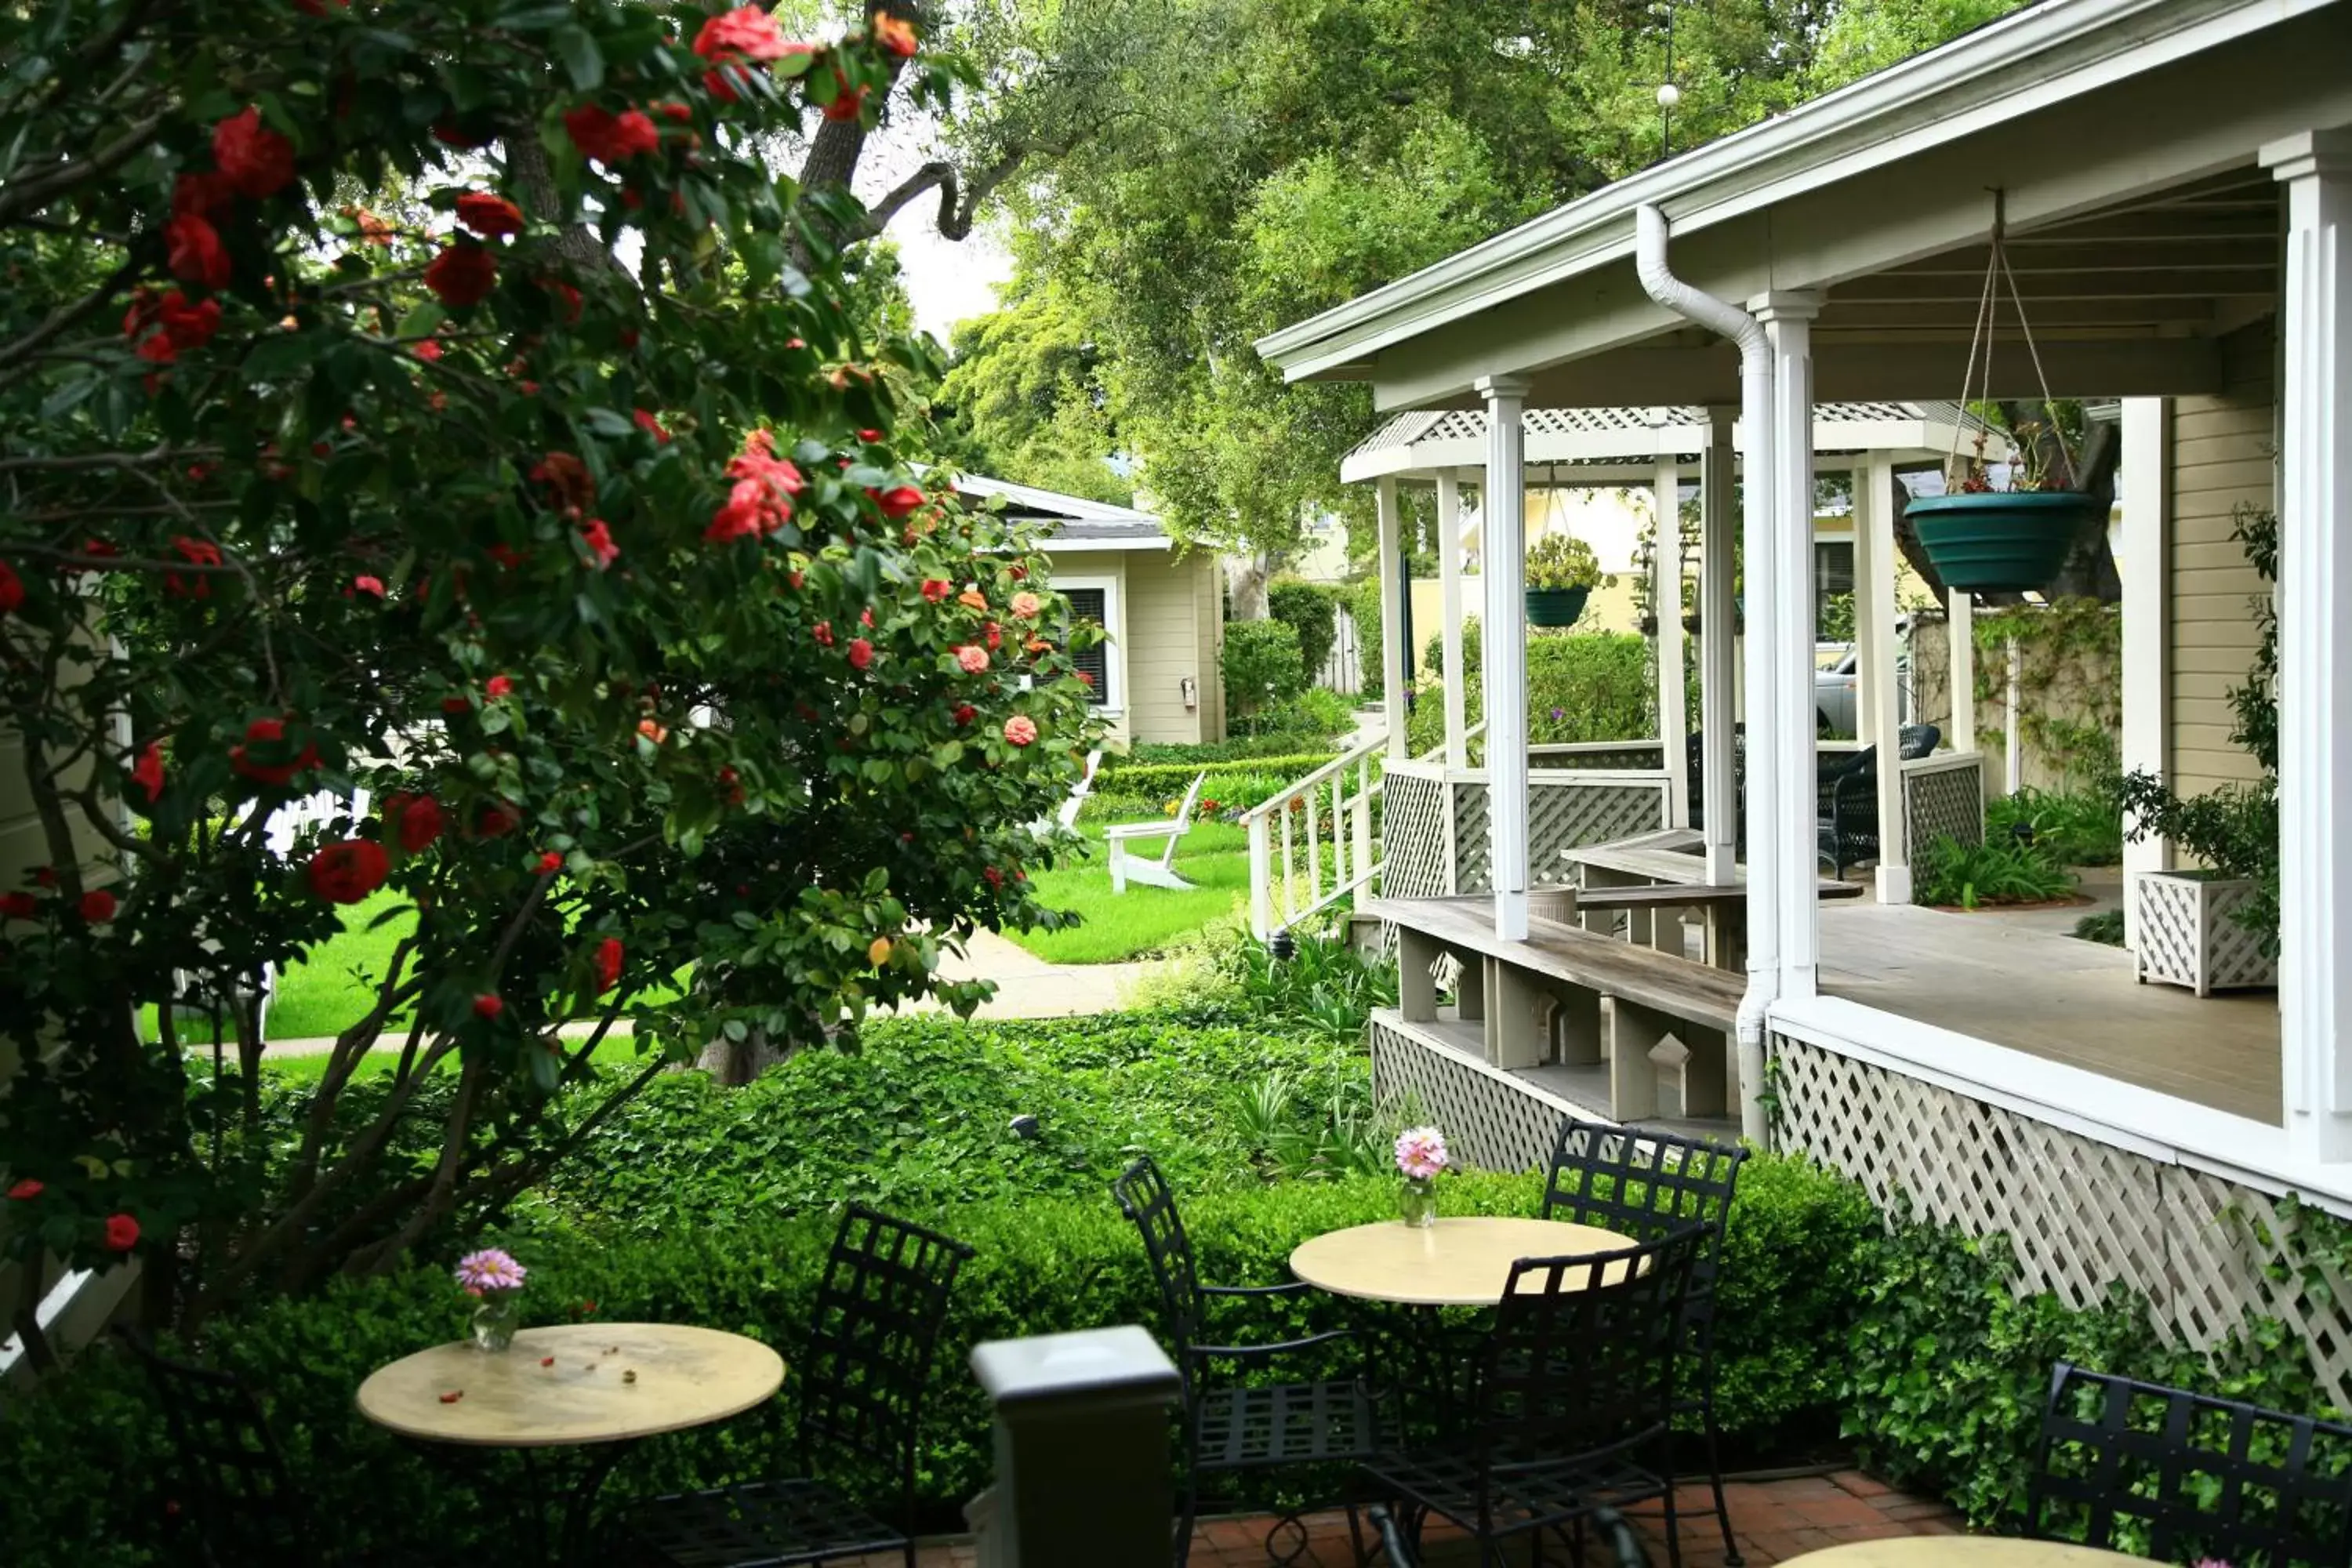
(1556, 608)
(2001, 541)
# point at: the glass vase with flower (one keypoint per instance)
(494, 1282)
(1421, 1156)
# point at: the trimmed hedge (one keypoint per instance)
(1581, 686)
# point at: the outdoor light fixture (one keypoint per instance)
(1283, 945)
(1024, 1126)
(1189, 689)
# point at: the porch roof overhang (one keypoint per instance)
(1622, 445)
(2125, 134)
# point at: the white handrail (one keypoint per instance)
(1345, 788)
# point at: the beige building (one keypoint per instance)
(1160, 678)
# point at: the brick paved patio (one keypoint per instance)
(1774, 1520)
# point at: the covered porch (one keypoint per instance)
(2188, 258)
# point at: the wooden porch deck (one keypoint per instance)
(2057, 998)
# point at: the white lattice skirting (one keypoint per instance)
(2206, 1253)
(1491, 1121)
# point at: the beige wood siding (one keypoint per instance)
(2222, 460)
(1164, 646)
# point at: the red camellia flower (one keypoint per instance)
(497, 820)
(848, 105)
(257, 161)
(1020, 729)
(269, 736)
(935, 590)
(599, 540)
(98, 905)
(121, 1233)
(193, 249)
(498, 686)
(19, 906)
(488, 1006)
(610, 138)
(965, 714)
(861, 653)
(195, 553)
(488, 215)
(823, 632)
(651, 427)
(12, 589)
(26, 1191)
(148, 771)
(428, 351)
(414, 819)
(200, 192)
(746, 33)
(995, 878)
(896, 34)
(608, 965)
(899, 501)
(462, 275)
(347, 872)
(550, 863)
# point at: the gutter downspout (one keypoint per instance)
(1763, 633)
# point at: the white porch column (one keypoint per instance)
(1960, 636)
(1449, 591)
(1718, 614)
(1788, 319)
(1666, 597)
(1503, 649)
(2146, 573)
(2315, 584)
(1877, 717)
(1396, 660)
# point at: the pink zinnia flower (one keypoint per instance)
(1420, 1153)
(490, 1270)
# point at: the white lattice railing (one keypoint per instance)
(1292, 866)
(1944, 794)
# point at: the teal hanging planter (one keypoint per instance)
(2000, 542)
(1556, 608)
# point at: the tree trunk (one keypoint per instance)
(1245, 582)
(1906, 539)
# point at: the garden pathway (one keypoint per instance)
(1027, 987)
(1774, 1520)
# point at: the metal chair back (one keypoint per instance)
(1580, 1359)
(1144, 1197)
(1915, 741)
(867, 1360)
(229, 1477)
(2180, 1477)
(1648, 1185)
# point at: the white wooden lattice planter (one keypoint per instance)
(2189, 935)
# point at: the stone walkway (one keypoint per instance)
(1027, 987)
(1774, 1521)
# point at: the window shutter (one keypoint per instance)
(1091, 605)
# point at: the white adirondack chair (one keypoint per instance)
(1066, 817)
(1160, 873)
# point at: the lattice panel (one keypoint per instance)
(1474, 871)
(1491, 1121)
(2205, 1253)
(1945, 801)
(1413, 836)
(1561, 815)
(2189, 935)
(1638, 424)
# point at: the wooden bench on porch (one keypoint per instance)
(1661, 1024)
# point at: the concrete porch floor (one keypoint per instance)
(2017, 979)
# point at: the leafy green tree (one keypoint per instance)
(1024, 396)
(559, 510)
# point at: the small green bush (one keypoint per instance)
(2004, 870)
(1559, 562)
(1581, 686)
(1310, 609)
(2106, 928)
(1364, 609)
(1263, 669)
(2078, 828)
(1275, 747)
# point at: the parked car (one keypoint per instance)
(1835, 685)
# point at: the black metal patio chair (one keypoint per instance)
(1575, 1390)
(864, 1371)
(1914, 742)
(230, 1494)
(1231, 1427)
(1648, 1186)
(1846, 816)
(2181, 1477)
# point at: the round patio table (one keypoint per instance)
(1458, 1262)
(1960, 1551)
(601, 1386)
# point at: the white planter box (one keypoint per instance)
(2189, 933)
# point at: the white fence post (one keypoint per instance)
(1082, 1465)
(1261, 878)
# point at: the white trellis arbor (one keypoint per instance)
(1438, 807)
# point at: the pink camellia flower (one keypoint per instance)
(1025, 605)
(365, 584)
(1020, 729)
(489, 1270)
(1420, 1153)
(969, 659)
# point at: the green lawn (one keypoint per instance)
(331, 992)
(1214, 856)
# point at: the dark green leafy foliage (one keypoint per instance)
(1263, 670)
(2106, 927)
(2077, 827)
(1581, 686)
(1310, 609)
(1997, 872)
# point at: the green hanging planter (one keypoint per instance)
(1556, 607)
(2000, 542)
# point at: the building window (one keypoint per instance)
(1834, 590)
(1092, 606)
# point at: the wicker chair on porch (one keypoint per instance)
(1648, 1186)
(2184, 1477)
(1847, 818)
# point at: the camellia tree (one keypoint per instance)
(567, 522)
